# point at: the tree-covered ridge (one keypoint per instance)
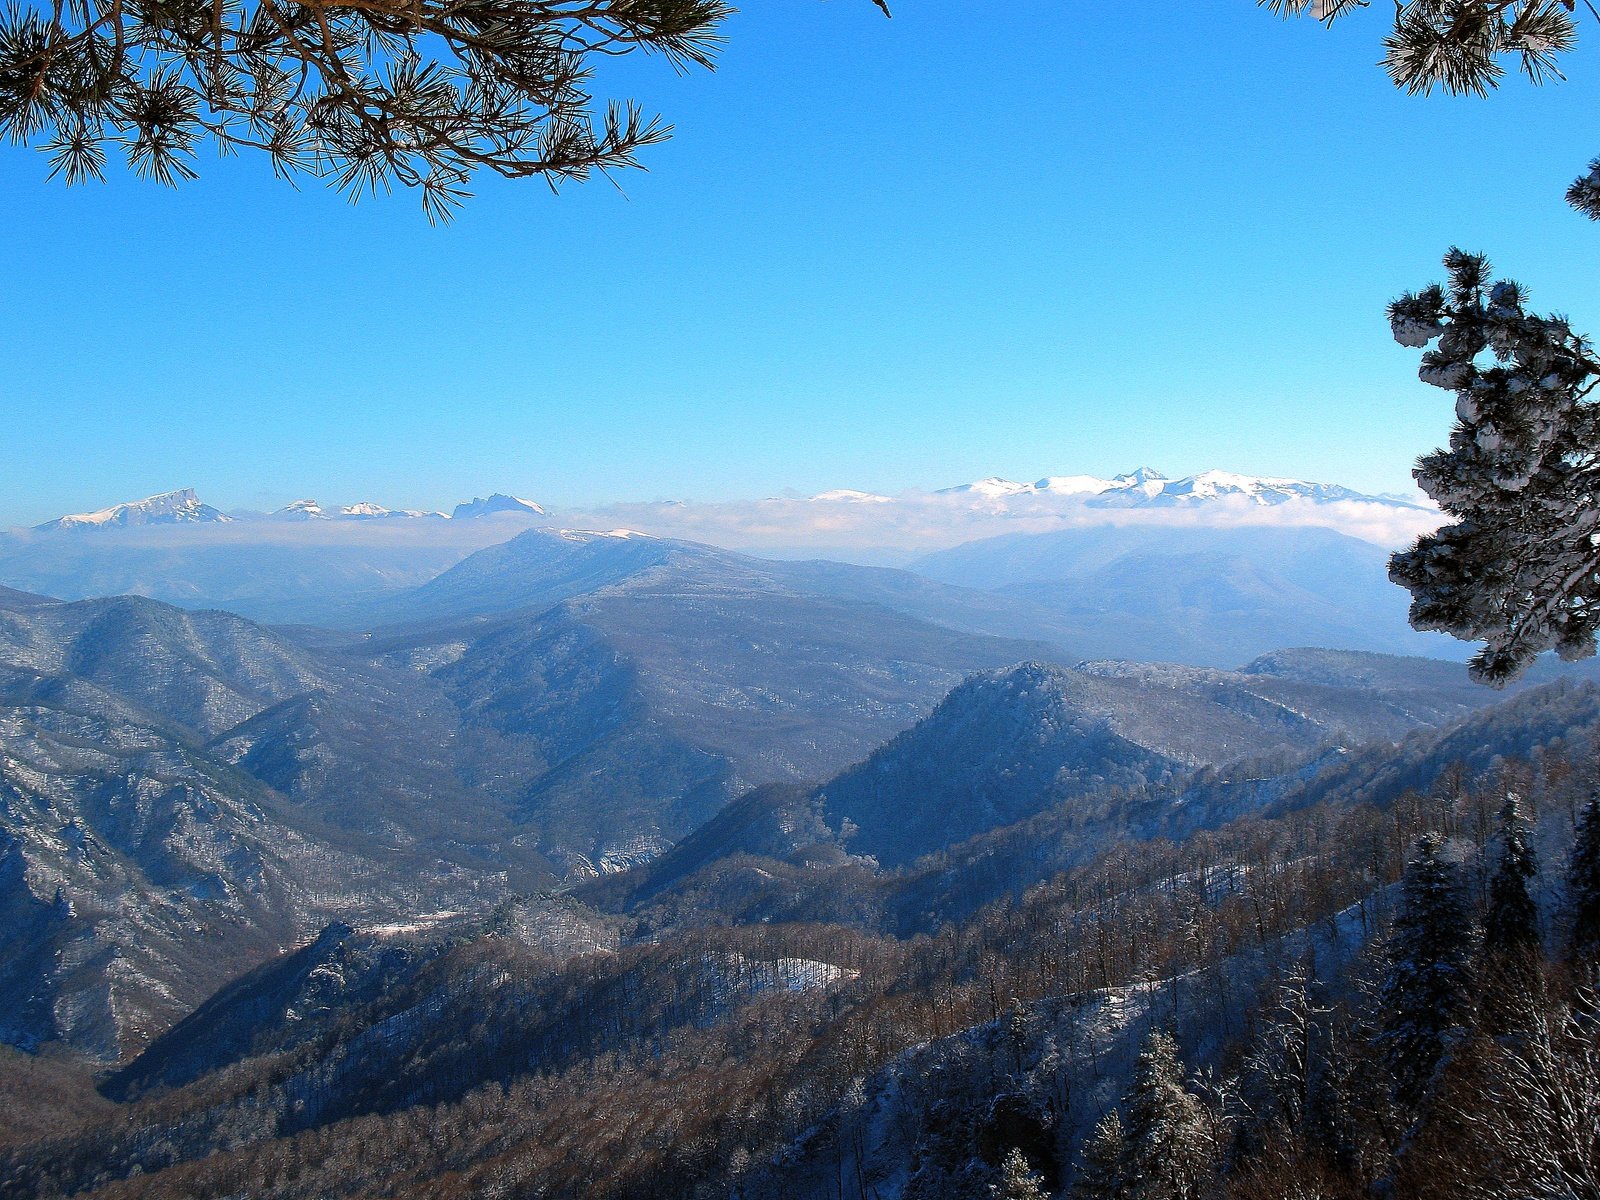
(1270, 957)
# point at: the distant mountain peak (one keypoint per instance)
(1149, 487)
(1141, 475)
(366, 510)
(498, 502)
(851, 496)
(300, 510)
(994, 487)
(179, 507)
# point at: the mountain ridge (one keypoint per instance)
(183, 506)
(1147, 487)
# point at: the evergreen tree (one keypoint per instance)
(1018, 1181)
(1425, 997)
(1511, 923)
(1464, 47)
(1100, 1176)
(1583, 890)
(1518, 569)
(1511, 946)
(1168, 1140)
(419, 92)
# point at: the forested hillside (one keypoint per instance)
(672, 684)
(1329, 965)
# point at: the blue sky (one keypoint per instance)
(876, 254)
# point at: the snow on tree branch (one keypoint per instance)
(362, 92)
(1462, 47)
(1519, 569)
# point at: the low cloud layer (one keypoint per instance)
(917, 523)
(870, 530)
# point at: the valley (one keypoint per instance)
(608, 814)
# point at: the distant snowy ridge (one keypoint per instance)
(1149, 488)
(310, 510)
(852, 496)
(499, 502)
(181, 507)
(1143, 488)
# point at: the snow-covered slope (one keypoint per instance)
(496, 503)
(300, 510)
(169, 508)
(851, 496)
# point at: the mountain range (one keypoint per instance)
(593, 862)
(1019, 809)
(557, 707)
(184, 507)
(1147, 487)
(168, 775)
(1174, 585)
(1142, 488)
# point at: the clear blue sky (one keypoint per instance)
(978, 239)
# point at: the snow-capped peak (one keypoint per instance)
(1073, 485)
(991, 488)
(851, 496)
(1258, 489)
(1141, 475)
(310, 510)
(499, 502)
(366, 510)
(168, 508)
(1146, 486)
(300, 510)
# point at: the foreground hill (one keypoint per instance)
(547, 1050)
(181, 793)
(1030, 768)
(1006, 746)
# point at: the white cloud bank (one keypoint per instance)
(914, 523)
(843, 524)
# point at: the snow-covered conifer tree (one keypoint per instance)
(1583, 889)
(1511, 944)
(1426, 995)
(1100, 1175)
(1511, 922)
(1168, 1140)
(1519, 569)
(1018, 1181)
